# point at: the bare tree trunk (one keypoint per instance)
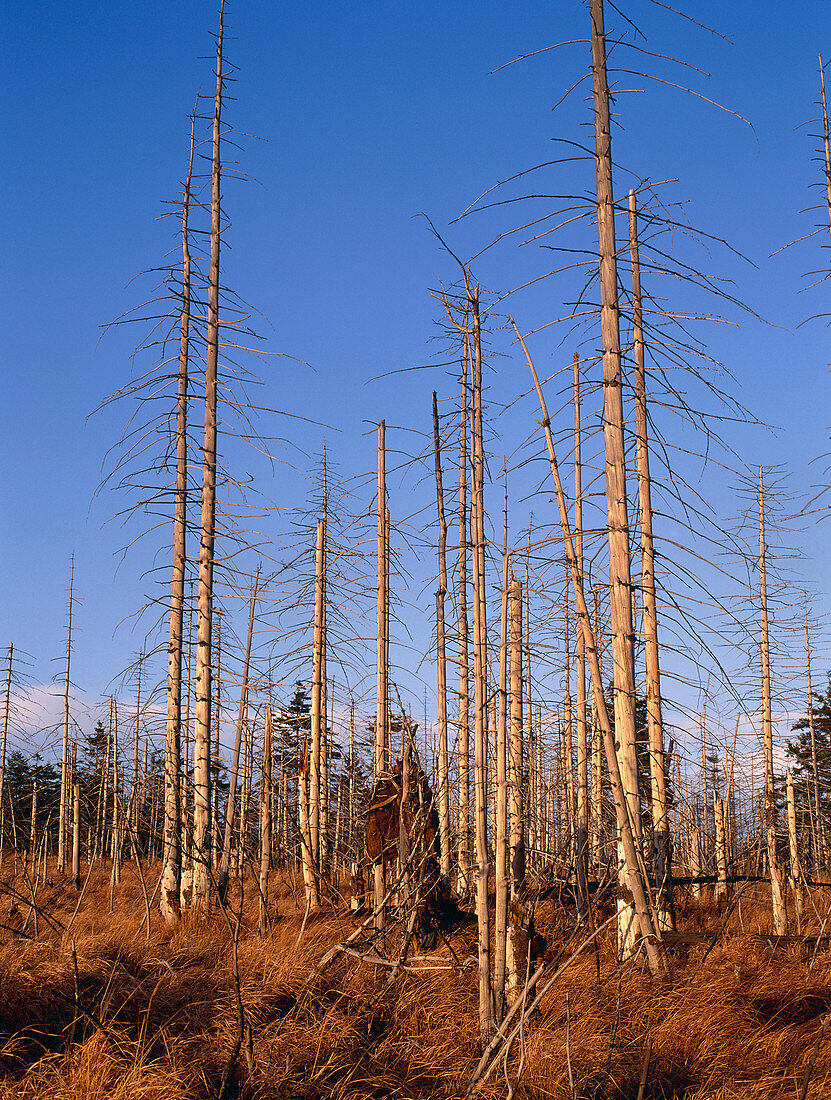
(201, 852)
(76, 832)
(441, 594)
(480, 679)
(6, 705)
(583, 802)
(780, 913)
(661, 843)
(172, 859)
(463, 819)
(115, 840)
(265, 822)
(796, 869)
(63, 818)
(517, 949)
(381, 652)
(721, 849)
(32, 853)
(230, 805)
(632, 864)
(318, 711)
(500, 924)
(819, 825)
(620, 580)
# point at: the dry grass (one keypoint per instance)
(104, 1012)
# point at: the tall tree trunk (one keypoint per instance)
(265, 822)
(463, 817)
(3, 743)
(661, 843)
(500, 929)
(819, 824)
(517, 949)
(318, 711)
(583, 802)
(441, 659)
(480, 678)
(201, 853)
(620, 580)
(381, 656)
(63, 818)
(780, 913)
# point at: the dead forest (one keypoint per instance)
(559, 843)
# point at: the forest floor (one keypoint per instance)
(94, 1006)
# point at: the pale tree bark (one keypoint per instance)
(3, 743)
(441, 661)
(721, 848)
(780, 913)
(63, 813)
(201, 851)
(501, 833)
(318, 711)
(793, 848)
(632, 864)
(661, 842)
(265, 822)
(566, 734)
(517, 948)
(172, 857)
(233, 779)
(620, 580)
(480, 679)
(463, 815)
(582, 784)
(819, 825)
(381, 658)
(76, 832)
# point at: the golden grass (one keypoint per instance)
(158, 1015)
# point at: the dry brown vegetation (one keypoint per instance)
(99, 1009)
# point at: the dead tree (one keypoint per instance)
(201, 853)
(620, 580)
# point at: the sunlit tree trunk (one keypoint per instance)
(441, 660)
(662, 848)
(201, 851)
(620, 580)
(780, 913)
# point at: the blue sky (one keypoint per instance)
(365, 116)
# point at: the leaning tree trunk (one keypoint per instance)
(662, 847)
(642, 918)
(780, 913)
(201, 852)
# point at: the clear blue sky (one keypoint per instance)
(369, 114)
